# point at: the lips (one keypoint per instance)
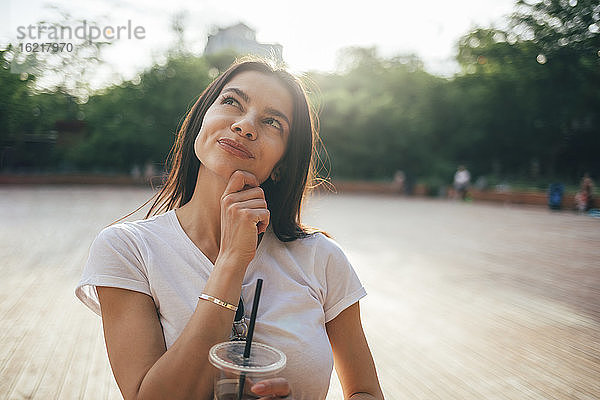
(235, 148)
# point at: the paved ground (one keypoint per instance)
(466, 301)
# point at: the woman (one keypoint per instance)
(240, 166)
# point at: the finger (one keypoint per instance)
(261, 227)
(253, 193)
(259, 216)
(238, 180)
(272, 387)
(254, 211)
(252, 204)
(263, 222)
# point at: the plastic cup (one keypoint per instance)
(228, 357)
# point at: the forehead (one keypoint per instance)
(264, 90)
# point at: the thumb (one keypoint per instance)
(239, 181)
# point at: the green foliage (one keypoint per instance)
(136, 122)
(372, 116)
(537, 90)
(525, 107)
(26, 119)
(559, 24)
(15, 104)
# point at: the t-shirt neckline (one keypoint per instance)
(177, 225)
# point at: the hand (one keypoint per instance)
(244, 215)
(275, 388)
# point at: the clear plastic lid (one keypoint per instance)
(263, 359)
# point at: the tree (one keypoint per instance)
(375, 117)
(64, 65)
(568, 35)
(538, 85)
(136, 122)
(560, 24)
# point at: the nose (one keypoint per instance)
(245, 127)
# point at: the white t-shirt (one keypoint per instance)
(307, 282)
(462, 177)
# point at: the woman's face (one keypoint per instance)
(247, 127)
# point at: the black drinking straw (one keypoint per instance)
(248, 347)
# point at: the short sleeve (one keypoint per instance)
(343, 286)
(115, 260)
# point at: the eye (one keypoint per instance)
(274, 123)
(230, 101)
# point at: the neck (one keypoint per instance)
(200, 218)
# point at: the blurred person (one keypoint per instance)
(481, 183)
(556, 191)
(462, 179)
(136, 172)
(398, 183)
(228, 214)
(149, 171)
(584, 199)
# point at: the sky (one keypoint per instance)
(311, 32)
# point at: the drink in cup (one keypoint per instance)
(228, 357)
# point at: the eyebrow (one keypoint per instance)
(239, 92)
(246, 98)
(280, 115)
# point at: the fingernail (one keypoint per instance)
(259, 387)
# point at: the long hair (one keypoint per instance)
(297, 166)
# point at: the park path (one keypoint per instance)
(466, 301)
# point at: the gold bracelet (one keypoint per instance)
(222, 303)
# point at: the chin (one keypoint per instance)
(225, 170)
(224, 167)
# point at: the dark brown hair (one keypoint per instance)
(297, 166)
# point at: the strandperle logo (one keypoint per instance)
(83, 31)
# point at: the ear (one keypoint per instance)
(276, 174)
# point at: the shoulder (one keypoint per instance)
(315, 239)
(317, 244)
(127, 244)
(132, 231)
